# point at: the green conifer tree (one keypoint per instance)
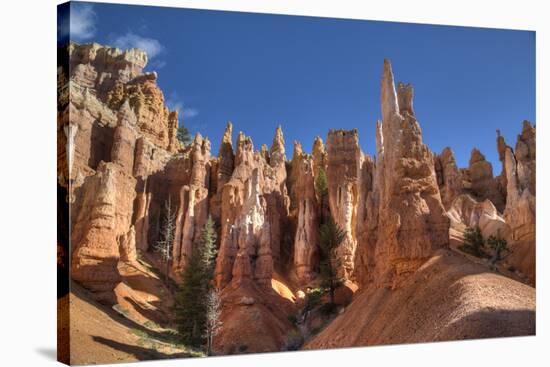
(191, 299)
(321, 189)
(330, 237)
(183, 135)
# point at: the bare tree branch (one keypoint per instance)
(213, 314)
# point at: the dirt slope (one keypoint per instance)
(101, 335)
(448, 298)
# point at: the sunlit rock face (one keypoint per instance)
(520, 211)
(410, 223)
(342, 169)
(232, 199)
(267, 171)
(116, 132)
(465, 212)
(449, 177)
(192, 212)
(254, 255)
(319, 156)
(123, 167)
(483, 184)
(103, 211)
(223, 170)
(306, 251)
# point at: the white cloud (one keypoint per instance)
(175, 103)
(190, 112)
(158, 64)
(82, 21)
(132, 40)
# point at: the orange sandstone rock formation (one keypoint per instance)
(120, 164)
(483, 184)
(343, 154)
(407, 220)
(520, 211)
(449, 177)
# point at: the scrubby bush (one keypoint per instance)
(499, 246)
(474, 241)
(314, 297)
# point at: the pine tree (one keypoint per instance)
(330, 236)
(474, 239)
(499, 246)
(183, 135)
(191, 299)
(321, 188)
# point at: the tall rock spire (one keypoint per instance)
(124, 138)
(405, 93)
(520, 211)
(343, 166)
(388, 94)
(277, 151)
(226, 157)
(449, 177)
(411, 222)
(483, 184)
(307, 214)
(319, 156)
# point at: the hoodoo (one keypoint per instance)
(407, 220)
(126, 175)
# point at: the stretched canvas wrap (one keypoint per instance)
(234, 183)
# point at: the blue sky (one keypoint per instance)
(312, 74)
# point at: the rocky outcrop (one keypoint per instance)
(127, 249)
(103, 211)
(252, 230)
(101, 80)
(306, 252)
(525, 154)
(343, 164)
(501, 179)
(294, 175)
(520, 211)
(256, 192)
(103, 216)
(233, 194)
(193, 204)
(123, 170)
(365, 175)
(465, 212)
(225, 165)
(275, 193)
(99, 67)
(449, 177)
(483, 184)
(154, 119)
(117, 132)
(410, 223)
(319, 156)
(124, 139)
